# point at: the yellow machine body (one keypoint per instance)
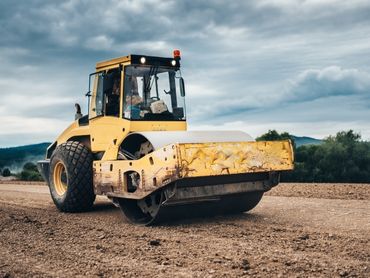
(105, 134)
(184, 169)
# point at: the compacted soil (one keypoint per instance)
(297, 230)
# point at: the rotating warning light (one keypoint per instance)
(176, 54)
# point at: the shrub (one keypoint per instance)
(30, 173)
(30, 176)
(6, 172)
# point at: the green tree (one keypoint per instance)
(345, 137)
(29, 166)
(30, 173)
(273, 135)
(340, 158)
(6, 172)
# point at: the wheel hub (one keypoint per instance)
(60, 178)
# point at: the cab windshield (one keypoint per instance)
(152, 93)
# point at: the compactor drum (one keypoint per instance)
(133, 147)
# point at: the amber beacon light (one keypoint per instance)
(176, 54)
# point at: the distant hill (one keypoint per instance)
(15, 157)
(304, 140)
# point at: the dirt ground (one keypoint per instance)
(298, 230)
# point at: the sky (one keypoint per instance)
(296, 66)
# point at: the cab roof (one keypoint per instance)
(136, 59)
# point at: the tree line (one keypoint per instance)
(344, 157)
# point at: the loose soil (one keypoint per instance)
(298, 230)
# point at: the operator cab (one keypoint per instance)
(139, 88)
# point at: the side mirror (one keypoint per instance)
(78, 111)
(182, 87)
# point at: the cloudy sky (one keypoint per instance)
(296, 66)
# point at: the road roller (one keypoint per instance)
(133, 146)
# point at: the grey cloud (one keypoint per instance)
(240, 58)
(330, 81)
(318, 118)
(329, 93)
(71, 23)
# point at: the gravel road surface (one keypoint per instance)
(298, 230)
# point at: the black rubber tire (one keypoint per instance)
(77, 160)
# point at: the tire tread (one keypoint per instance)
(78, 161)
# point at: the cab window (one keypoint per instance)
(106, 100)
(153, 93)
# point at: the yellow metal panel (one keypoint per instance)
(156, 169)
(209, 159)
(71, 131)
(158, 125)
(107, 133)
(177, 161)
(115, 61)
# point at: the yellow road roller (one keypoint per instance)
(133, 147)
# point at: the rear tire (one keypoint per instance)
(70, 178)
